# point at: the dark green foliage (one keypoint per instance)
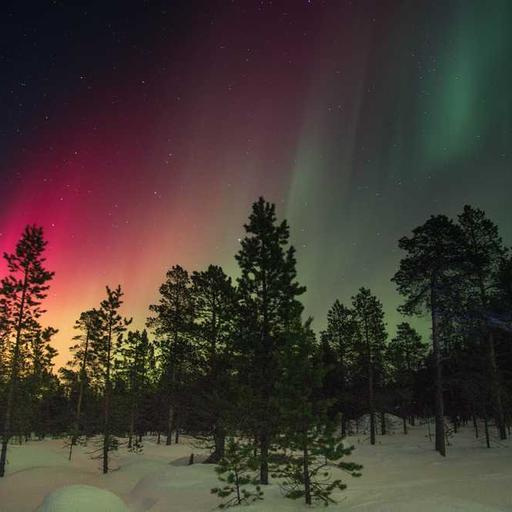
(340, 336)
(405, 355)
(429, 278)
(111, 328)
(369, 346)
(21, 294)
(268, 308)
(85, 364)
(137, 359)
(214, 299)
(171, 322)
(237, 469)
(307, 473)
(311, 447)
(483, 254)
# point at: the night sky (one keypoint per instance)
(139, 133)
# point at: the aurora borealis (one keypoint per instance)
(139, 133)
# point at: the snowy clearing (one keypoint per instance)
(401, 473)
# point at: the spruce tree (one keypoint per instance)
(428, 278)
(370, 345)
(268, 305)
(21, 294)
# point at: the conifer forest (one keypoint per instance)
(256, 255)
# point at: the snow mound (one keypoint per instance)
(82, 498)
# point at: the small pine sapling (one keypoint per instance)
(237, 470)
(310, 457)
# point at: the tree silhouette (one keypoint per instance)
(428, 278)
(111, 328)
(172, 322)
(371, 337)
(21, 294)
(268, 293)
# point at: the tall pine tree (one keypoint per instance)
(214, 300)
(112, 326)
(483, 251)
(171, 321)
(371, 337)
(85, 361)
(21, 294)
(268, 292)
(428, 278)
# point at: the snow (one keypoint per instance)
(402, 473)
(82, 498)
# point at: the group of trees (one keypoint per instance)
(459, 273)
(237, 364)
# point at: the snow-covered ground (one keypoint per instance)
(401, 474)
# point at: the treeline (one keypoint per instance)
(237, 364)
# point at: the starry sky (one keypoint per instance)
(138, 133)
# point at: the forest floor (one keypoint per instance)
(401, 473)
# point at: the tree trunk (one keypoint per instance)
(383, 423)
(440, 441)
(131, 431)
(404, 421)
(371, 404)
(264, 449)
(496, 388)
(76, 431)
(170, 424)
(306, 476)
(343, 425)
(106, 419)
(486, 430)
(475, 426)
(219, 438)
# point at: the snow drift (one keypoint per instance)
(82, 498)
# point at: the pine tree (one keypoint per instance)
(137, 355)
(268, 304)
(214, 300)
(111, 328)
(307, 437)
(428, 278)
(483, 251)
(405, 353)
(171, 321)
(371, 336)
(84, 359)
(237, 470)
(341, 334)
(39, 378)
(21, 294)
